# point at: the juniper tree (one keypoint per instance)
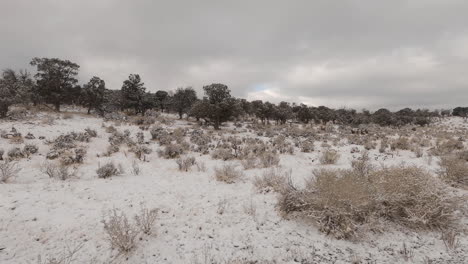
(55, 79)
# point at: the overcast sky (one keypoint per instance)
(360, 54)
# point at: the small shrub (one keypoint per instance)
(60, 172)
(1, 154)
(269, 159)
(145, 220)
(273, 180)
(8, 170)
(185, 163)
(453, 171)
(172, 151)
(228, 174)
(329, 156)
(222, 154)
(135, 168)
(108, 170)
(307, 146)
(140, 151)
(30, 149)
(343, 201)
(400, 143)
(250, 162)
(121, 233)
(15, 153)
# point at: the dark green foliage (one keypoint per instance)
(133, 92)
(55, 79)
(183, 100)
(93, 94)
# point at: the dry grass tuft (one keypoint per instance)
(329, 156)
(8, 170)
(228, 174)
(275, 180)
(454, 171)
(121, 233)
(343, 201)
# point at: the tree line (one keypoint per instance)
(55, 83)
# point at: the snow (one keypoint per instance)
(42, 216)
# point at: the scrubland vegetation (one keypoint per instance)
(131, 176)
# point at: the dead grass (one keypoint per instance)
(329, 156)
(273, 180)
(344, 201)
(8, 171)
(454, 171)
(121, 233)
(228, 174)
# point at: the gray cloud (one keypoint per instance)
(340, 53)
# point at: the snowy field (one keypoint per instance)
(200, 219)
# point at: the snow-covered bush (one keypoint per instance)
(228, 173)
(121, 233)
(60, 172)
(8, 170)
(269, 159)
(454, 171)
(108, 170)
(15, 153)
(171, 151)
(329, 156)
(185, 163)
(146, 219)
(30, 149)
(273, 180)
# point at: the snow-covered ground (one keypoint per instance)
(200, 220)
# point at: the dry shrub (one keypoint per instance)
(185, 163)
(269, 159)
(121, 233)
(343, 201)
(453, 171)
(66, 257)
(400, 143)
(135, 168)
(30, 149)
(307, 146)
(60, 172)
(250, 162)
(15, 153)
(222, 154)
(108, 170)
(8, 170)
(140, 151)
(444, 147)
(228, 173)
(273, 180)
(1, 154)
(171, 151)
(329, 156)
(145, 220)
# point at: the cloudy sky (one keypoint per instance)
(362, 53)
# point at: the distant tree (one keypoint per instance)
(460, 111)
(55, 78)
(282, 112)
(383, 117)
(217, 106)
(304, 113)
(93, 94)
(183, 100)
(148, 102)
(15, 87)
(161, 98)
(445, 112)
(133, 91)
(325, 114)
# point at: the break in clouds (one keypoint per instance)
(360, 54)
